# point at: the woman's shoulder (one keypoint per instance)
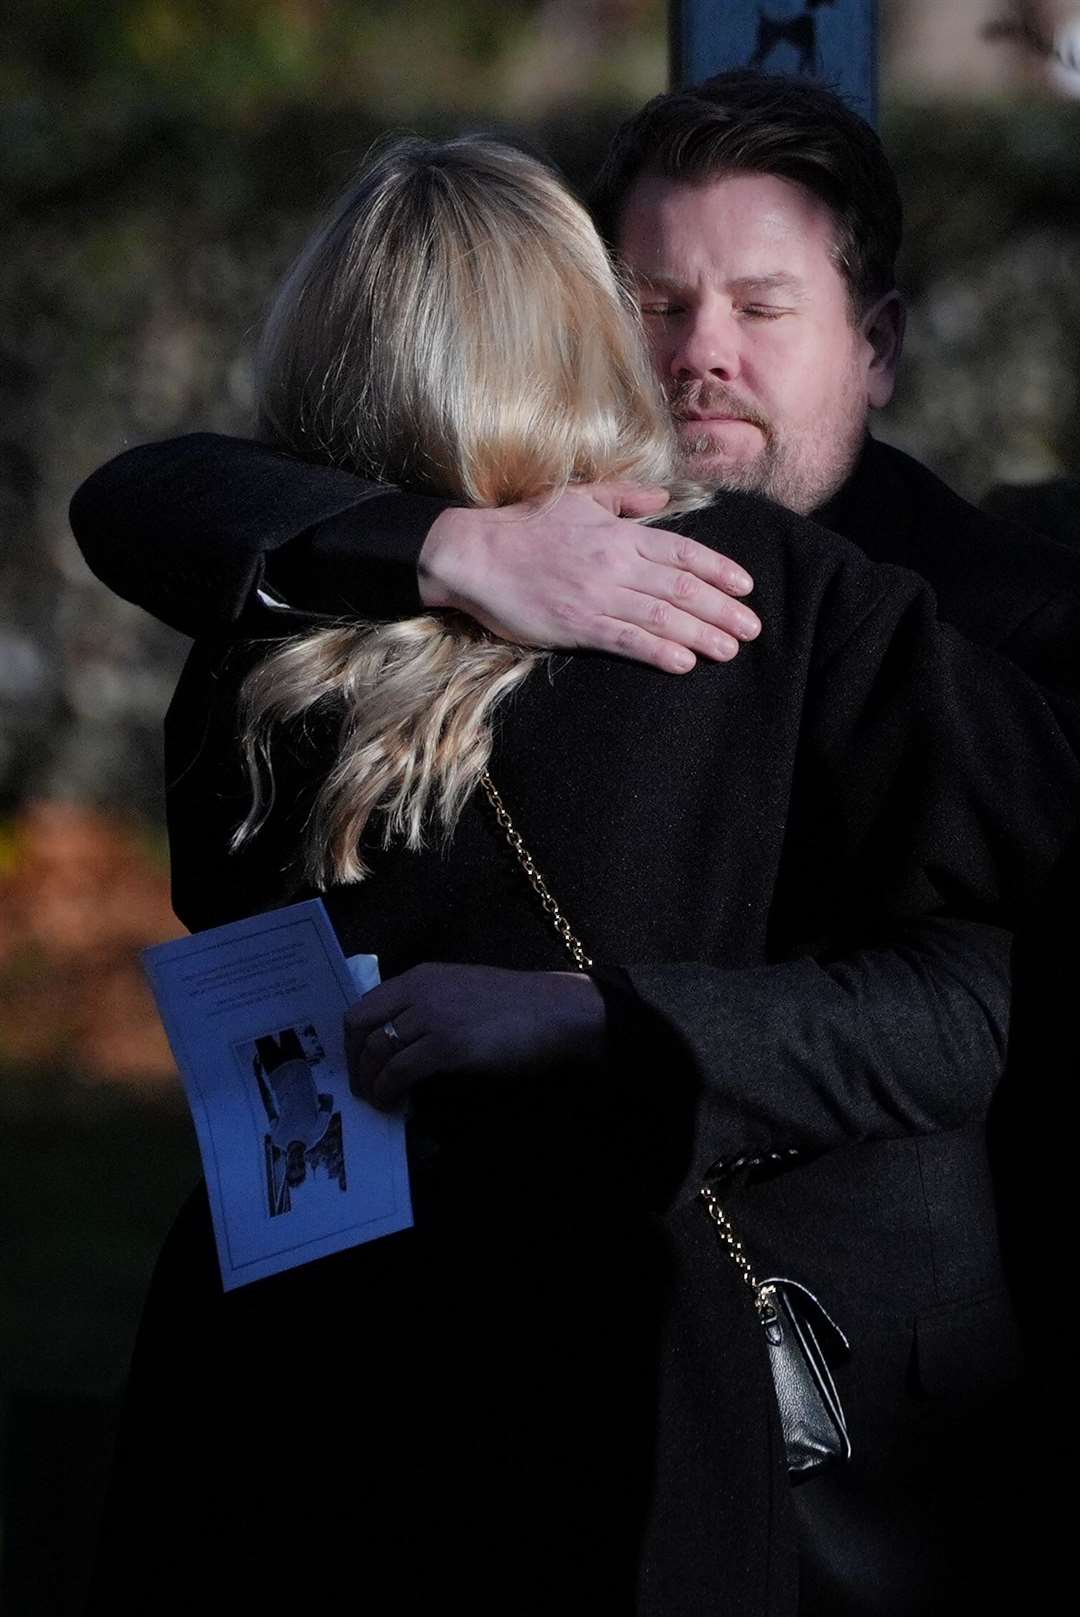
(770, 534)
(800, 568)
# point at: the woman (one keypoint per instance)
(552, 1394)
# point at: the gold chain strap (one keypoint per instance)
(763, 1295)
(536, 881)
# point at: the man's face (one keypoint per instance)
(751, 328)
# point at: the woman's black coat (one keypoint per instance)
(553, 1392)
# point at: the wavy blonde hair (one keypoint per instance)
(454, 327)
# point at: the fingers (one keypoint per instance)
(624, 639)
(596, 581)
(677, 604)
(385, 1072)
(380, 1004)
(672, 599)
(369, 1043)
(408, 1067)
(668, 623)
(649, 628)
(688, 556)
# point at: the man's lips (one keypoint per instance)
(723, 435)
(710, 415)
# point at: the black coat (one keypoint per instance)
(877, 1063)
(998, 583)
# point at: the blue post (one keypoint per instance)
(831, 40)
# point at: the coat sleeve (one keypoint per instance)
(204, 531)
(934, 791)
(806, 1055)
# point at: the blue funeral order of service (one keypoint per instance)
(296, 1165)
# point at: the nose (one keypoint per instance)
(707, 346)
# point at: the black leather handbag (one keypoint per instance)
(801, 1338)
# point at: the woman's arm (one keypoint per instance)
(190, 530)
(207, 532)
(696, 1063)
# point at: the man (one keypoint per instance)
(776, 330)
(774, 324)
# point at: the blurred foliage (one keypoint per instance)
(990, 382)
(231, 60)
(81, 893)
(973, 178)
(81, 84)
(95, 1148)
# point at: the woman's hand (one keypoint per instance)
(440, 1020)
(577, 571)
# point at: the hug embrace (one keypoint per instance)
(791, 871)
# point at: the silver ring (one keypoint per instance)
(391, 1032)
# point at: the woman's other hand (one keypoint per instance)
(441, 1020)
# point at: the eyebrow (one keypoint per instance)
(779, 281)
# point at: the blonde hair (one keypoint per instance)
(454, 327)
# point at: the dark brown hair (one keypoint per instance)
(758, 123)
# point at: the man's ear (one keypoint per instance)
(883, 328)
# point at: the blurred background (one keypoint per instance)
(163, 158)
